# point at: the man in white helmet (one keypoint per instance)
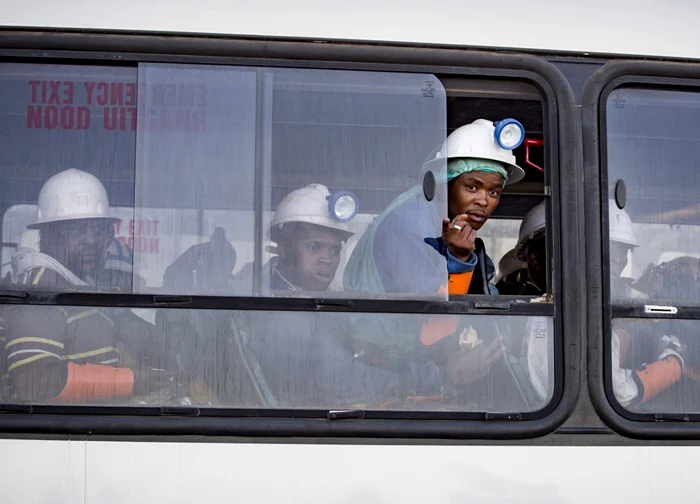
(75, 232)
(77, 354)
(309, 241)
(643, 364)
(401, 253)
(301, 354)
(532, 250)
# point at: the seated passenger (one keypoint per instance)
(307, 245)
(76, 355)
(644, 364)
(532, 250)
(309, 241)
(409, 249)
(301, 354)
(75, 232)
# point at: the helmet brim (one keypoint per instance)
(275, 233)
(90, 216)
(515, 173)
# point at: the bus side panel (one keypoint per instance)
(94, 472)
(42, 471)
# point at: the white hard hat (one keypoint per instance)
(509, 263)
(477, 140)
(70, 195)
(310, 205)
(621, 225)
(532, 226)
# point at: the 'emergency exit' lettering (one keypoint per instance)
(140, 235)
(112, 106)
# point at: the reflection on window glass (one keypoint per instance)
(67, 135)
(654, 365)
(195, 174)
(653, 146)
(344, 146)
(270, 359)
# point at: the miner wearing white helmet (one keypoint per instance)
(401, 253)
(309, 239)
(300, 354)
(622, 242)
(478, 168)
(77, 354)
(532, 250)
(75, 232)
(639, 373)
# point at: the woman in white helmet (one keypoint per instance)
(400, 251)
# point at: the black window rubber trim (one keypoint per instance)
(562, 151)
(647, 74)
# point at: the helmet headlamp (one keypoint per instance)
(509, 133)
(343, 206)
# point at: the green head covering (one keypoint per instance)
(456, 167)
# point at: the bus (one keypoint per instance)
(189, 128)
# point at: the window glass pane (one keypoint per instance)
(367, 134)
(319, 154)
(195, 177)
(653, 146)
(654, 365)
(272, 359)
(71, 131)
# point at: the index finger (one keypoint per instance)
(445, 225)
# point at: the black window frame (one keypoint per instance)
(612, 76)
(560, 133)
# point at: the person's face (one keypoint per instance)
(79, 244)
(311, 257)
(618, 258)
(475, 194)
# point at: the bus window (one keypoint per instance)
(654, 228)
(274, 359)
(276, 183)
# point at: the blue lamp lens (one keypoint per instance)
(343, 206)
(509, 133)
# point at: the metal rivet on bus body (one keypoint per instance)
(621, 194)
(429, 185)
